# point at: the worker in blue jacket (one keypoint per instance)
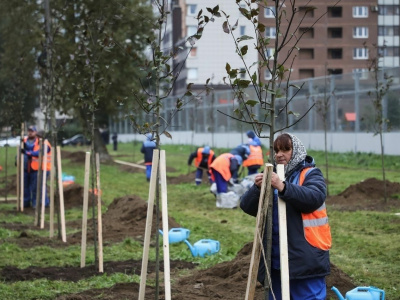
(147, 149)
(308, 231)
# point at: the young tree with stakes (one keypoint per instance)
(288, 18)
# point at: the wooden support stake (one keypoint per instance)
(39, 183)
(265, 197)
(18, 179)
(149, 223)
(44, 179)
(99, 218)
(52, 178)
(163, 177)
(61, 196)
(130, 164)
(21, 166)
(283, 242)
(85, 209)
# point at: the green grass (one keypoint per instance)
(365, 244)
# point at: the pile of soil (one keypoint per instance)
(130, 267)
(227, 280)
(367, 195)
(186, 178)
(125, 217)
(75, 157)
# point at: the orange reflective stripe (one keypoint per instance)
(255, 157)
(317, 231)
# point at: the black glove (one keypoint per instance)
(23, 151)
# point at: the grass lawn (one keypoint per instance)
(366, 245)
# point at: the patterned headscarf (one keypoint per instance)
(298, 155)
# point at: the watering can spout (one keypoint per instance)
(338, 294)
(192, 249)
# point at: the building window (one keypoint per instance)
(360, 11)
(191, 30)
(192, 74)
(360, 32)
(307, 11)
(335, 11)
(335, 71)
(388, 51)
(269, 12)
(191, 9)
(362, 73)
(269, 53)
(270, 32)
(389, 10)
(267, 74)
(193, 52)
(360, 53)
(242, 30)
(335, 53)
(242, 73)
(388, 30)
(335, 32)
(306, 73)
(306, 53)
(307, 32)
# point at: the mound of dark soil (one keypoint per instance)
(75, 157)
(186, 178)
(367, 195)
(125, 217)
(130, 267)
(227, 280)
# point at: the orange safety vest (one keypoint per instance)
(222, 165)
(316, 227)
(255, 157)
(35, 160)
(197, 161)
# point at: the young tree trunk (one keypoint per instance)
(100, 147)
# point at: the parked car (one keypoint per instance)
(11, 142)
(76, 140)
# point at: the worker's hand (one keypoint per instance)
(23, 151)
(276, 183)
(29, 153)
(258, 179)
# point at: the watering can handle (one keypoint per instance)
(160, 231)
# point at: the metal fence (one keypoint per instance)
(349, 106)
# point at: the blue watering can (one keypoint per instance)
(176, 235)
(203, 247)
(362, 293)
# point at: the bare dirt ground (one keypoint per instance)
(126, 217)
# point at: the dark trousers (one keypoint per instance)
(222, 184)
(30, 189)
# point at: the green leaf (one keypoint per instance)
(244, 49)
(244, 38)
(251, 103)
(225, 27)
(168, 135)
(228, 67)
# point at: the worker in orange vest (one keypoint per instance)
(203, 157)
(308, 231)
(255, 159)
(224, 168)
(31, 166)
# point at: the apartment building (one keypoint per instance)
(207, 58)
(336, 38)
